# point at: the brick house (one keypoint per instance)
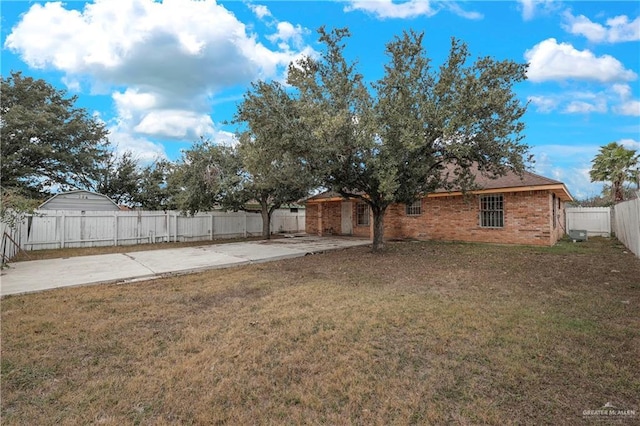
(511, 209)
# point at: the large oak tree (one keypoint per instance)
(416, 129)
(47, 142)
(268, 166)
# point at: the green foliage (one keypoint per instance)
(269, 164)
(207, 175)
(616, 164)
(156, 191)
(46, 141)
(15, 206)
(416, 129)
(273, 148)
(126, 182)
(120, 179)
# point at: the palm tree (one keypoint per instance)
(615, 164)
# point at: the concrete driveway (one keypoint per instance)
(38, 275)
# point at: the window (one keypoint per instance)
(491, 211)
(362, 214)
(414, 209)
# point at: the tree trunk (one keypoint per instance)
(617, 192)
(378, 228)
(265, 211)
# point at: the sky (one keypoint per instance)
(163, 74)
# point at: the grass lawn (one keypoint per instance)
(424, 333)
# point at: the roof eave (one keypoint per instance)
(559, 189)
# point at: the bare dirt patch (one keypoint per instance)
(422, 333)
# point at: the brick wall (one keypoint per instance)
(311, 219)
(323, 218)
(528, 219)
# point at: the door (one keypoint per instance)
(347, 218)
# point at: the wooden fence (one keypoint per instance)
(627, 224)
(48, 229)
(595, 220)
(9, 244)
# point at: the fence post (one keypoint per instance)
(212, 226)
(166, 227)
(175, 235)
(62, 230)
(115, 228)
(245, 224)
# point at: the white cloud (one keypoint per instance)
(622, 90)
(619, 96)
(530, 8)
(406, 9)
(133, 101)
(163, 63)
(630, 107)
(288, 34)
(630, 143)
(582, 107)
(455, 8)
(261, 11)
(388, 9)
(627, 105)
(178, 124)
(544, 104)
(550, 60)
(618, 29)
(142, 148)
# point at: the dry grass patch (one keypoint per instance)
(423, 333)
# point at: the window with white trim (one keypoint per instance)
(362, 214)
(492, 211)
(414, 209)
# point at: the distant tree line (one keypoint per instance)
(417, 128)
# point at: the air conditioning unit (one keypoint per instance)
(578, 235)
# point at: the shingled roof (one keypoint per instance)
(510, 182)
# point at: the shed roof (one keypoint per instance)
(79, 200)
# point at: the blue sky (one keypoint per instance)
(161, 74)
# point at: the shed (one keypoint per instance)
(79, 200)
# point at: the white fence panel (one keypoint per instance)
(48, 229)
(228, 225)
(254, 224)
(43, 231)
(595, 220)
(10, 242)
(194, 228)
(283, 221)
(627, 224)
